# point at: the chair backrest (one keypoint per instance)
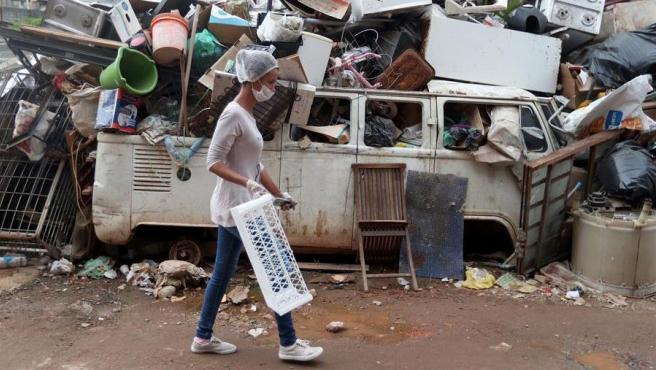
(379, 191)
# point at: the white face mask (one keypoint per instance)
(264, 94)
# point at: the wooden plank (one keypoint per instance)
(574, 148)
(330, 266)
(400, 274)
(71, 37)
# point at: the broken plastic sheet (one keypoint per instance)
(627, 170)
(621, 108)
(620, 58)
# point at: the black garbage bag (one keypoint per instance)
(627, 170)
(379, 131)
(620, 58)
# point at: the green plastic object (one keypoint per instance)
(96, 268)
(207, 50)
(132, 71)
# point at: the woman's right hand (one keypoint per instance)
(256, 189)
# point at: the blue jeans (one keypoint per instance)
(227, 256)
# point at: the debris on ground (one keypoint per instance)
(257, 332)
(478, 278)
(502, 347)
(335, 326)
(111, 274)
(614, 300)
(165, 292)
(377, 303)
(96, 268)
(175, 299)
(82, 307)
(62, 267)
(142, 274)
(238, 294)
(174, 275)
(509, 281)
(341, 279)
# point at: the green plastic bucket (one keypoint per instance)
(132, 71)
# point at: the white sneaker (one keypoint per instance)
(299, 351)
(214, 346)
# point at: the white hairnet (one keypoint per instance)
(251, 65)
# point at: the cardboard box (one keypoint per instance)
(124, 20)
(575, 88)
(228, 28)
(291, 69)
(334, 8)
(302, 104)
(117, 111)
(465, 51)
(223, 82)
(207, 79)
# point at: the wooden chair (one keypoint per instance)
(381, 215)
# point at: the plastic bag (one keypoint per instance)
(627, 170)
(504, 134)
(238, 8)
(96, 268)
(620, 109)
(24, 117)
(207, 50)
(478, 278)
(379, 131)
(620, 58)
(280, 28)
(34, 147)
(84, 108)
(155, 127)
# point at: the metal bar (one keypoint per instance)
(545, 208)
(46, 207)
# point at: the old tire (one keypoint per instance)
(185, 250)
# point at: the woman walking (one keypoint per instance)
(235, 157)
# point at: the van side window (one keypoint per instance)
(465, 125)
(534, 138)
(329, 122)
(393, 124)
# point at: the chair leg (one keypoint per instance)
(408, 252)
(362, 262)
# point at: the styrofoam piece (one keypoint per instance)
(465, 51)
(581, 15)
(389, 6)
(273, 261)
(453, 8)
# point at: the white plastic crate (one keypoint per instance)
(272, 258)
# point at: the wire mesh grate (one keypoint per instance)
(37, 204)
(22, 86)
(278, 274)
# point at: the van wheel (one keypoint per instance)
(185, 250)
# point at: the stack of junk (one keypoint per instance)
(105, 125)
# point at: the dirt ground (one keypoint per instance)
(67, 323)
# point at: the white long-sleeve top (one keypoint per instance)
(237, 143)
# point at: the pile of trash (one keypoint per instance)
(173, 71)
(166, 280)
(166, 70)
(555, 282)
